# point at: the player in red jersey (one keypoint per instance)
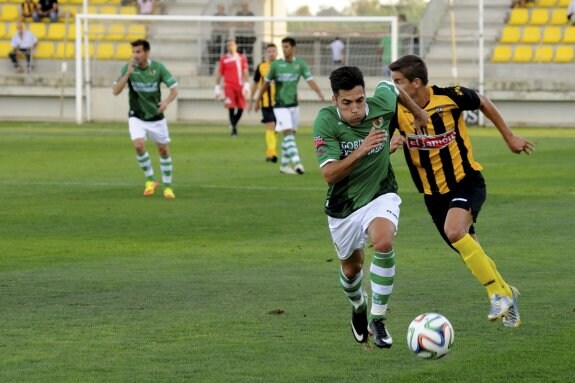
(234, 70)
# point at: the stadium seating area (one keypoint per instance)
(107, 41)
(537, 34)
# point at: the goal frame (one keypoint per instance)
(82, 76)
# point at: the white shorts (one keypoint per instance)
(350, 233)
(156, 131)
(286, 118)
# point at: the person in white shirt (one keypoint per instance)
(337, 47)
(571, 12)
(23, 42)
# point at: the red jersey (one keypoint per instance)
(232, 68)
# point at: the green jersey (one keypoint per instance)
(145, 92)
(334, 140)
(286, 76)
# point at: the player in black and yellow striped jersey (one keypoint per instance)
(266, 102)
(442, 167)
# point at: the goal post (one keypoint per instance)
(188, 36)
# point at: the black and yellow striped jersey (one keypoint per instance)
(267, 99)
(440, 159)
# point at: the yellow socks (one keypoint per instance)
(271, 142)
(482, 267)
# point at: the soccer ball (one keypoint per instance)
(430, 336)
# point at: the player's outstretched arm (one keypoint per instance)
(420, 115)
(515, 143)
(313, 85)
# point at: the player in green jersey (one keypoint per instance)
(146, 117)
(352, 148)
(285, 74)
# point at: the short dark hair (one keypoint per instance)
(346, 78)
(411, 67)
(289, 40)
(141, 43)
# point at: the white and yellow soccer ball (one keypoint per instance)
(430, 336)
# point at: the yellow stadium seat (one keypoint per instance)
(510, 35)
(98, 2)
(569, 35)
(44, 50)
(539, 16)
(546, 3)
(543, 54)
(64, 51)
(551, 35)
(531, 35)
(92, 10)
(116, 32)
(9, 12)
(522, 54)
(11, 30)
(564, 54)
(38, 29)
(56, 31)
(108, 10)
(105, 51)
(135, 32)
(3, 31)
(558, 16)
(128, 10)
(563, 3)
(96, 31)
(519, 16)
(5, 48)
(123, 52)
(70, 10)
(502, 54)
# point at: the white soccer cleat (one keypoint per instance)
(500, 305)
(299, 169)
(512, 318)
(287, 170)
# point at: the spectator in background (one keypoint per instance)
(48, 8)
(245, 35)
(337, 51)
(146, 7)
(27, 8)
(23, 42)
(571, 12)
(385, 49)
(220, 33)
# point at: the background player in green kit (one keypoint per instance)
(285, 73)
(351, 139)
(146, 116)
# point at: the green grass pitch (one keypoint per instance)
(237, 281)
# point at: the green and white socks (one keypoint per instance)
(382, 275)
(165, 166)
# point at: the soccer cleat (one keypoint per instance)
(381, 337)
(287, 170)
(500, 305)
(299, 169)
(169, 193)
(234, 131)
(150, 188)
(512, 318)
(272, 159)
(359, 323)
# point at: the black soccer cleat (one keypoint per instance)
(381, 337)
(359, 325)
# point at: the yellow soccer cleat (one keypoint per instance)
(150, 188)
(169, 193)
